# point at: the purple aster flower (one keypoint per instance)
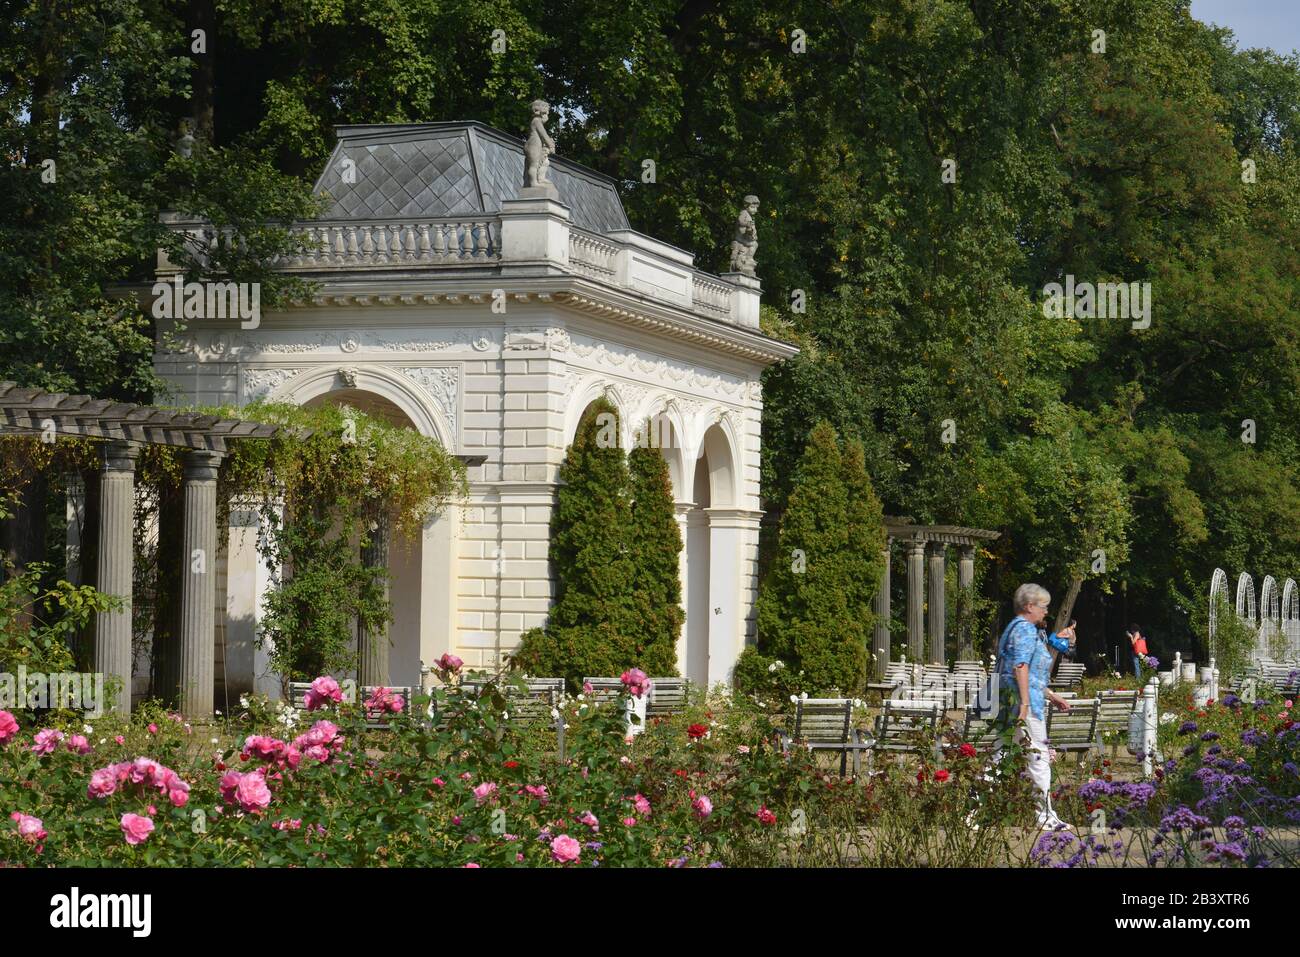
(1187, 727)
(1253, 737)
(1210, 736)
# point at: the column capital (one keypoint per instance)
(915, 547)
(118, 456)
(966, 552)
(201, 465)
(936, 549)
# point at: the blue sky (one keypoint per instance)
(1257, 23)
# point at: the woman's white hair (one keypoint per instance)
(1031, 594)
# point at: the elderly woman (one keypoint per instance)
(1024, 668)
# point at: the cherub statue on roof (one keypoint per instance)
(540, 146)
(744, 246)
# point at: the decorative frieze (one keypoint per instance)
(442, 383)
(259, 383)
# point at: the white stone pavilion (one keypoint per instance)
(448, 303)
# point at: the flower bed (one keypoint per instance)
(707, 787)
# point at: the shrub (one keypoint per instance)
(814, 607)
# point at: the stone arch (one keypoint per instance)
(588, 393)
(720, 446)
(421, 563)
(668, 435)
(424, 415)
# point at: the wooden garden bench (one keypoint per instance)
(667, 696)
(1076, 729)
(980, 728)
(602, 689)
(540, 698)
(299, 689)
(826, 724)
(900, 720)
(1113, 710)
(1069, 674)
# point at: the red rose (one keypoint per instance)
(941, 775)
(510, 764)
(968, 750)
(920, 775)
(244, 756)
(697, 731)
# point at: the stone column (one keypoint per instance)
(727, 531)
(880, 639)
(916, 600)
(115, 565)
(966, 611)
(197, 671)
(681, 513)
(938, 606)
(373, 648)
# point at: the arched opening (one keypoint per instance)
(405, 552)
(713, 551)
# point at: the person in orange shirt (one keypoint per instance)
(1139, 645)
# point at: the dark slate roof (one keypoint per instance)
(409, 170)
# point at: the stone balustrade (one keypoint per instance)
(623, 259)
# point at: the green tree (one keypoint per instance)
(814, 604)
(656, 543)
(591, 629)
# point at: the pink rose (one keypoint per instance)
(484, 791)
(153, 729)
(439, 783)
(629, 822)
(590, 820)
(765, 816)
(642, 804)
(46, 741)
(323, 690)
(8, 726)
(252, 793)
(229, 783)
(119, 739)
(450, 663)
(136, 828)
(587, 687)
(703, 807)
(636, 682)
(565, 849)
(472, 864)
(78, 744)
(102, 783)
(538, 791)
(29, 828)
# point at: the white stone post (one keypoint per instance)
(1151, 715)
(745, 298)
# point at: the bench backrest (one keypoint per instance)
(901, 719)
(603, 689)
(980, 727)
(1076, 728)
(667, 696)
(1113, 710)
(823, 720)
